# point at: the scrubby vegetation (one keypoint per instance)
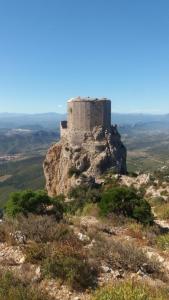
(120, 254)
(116, 200)
(163, 241)
(97, 235)
(36, 202)
(70, 267)
(130, 291)
(81, 196)
(162, 210)
(125, 201)
(12, 288)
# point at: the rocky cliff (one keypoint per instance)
(67, 165)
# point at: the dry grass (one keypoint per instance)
(130, 291)
(162, 211)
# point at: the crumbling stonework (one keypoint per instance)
(82, 156)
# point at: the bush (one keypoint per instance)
(125, 201)
(12, 288)
(42, 229)
(59, 238)
(130, 291)
(8, 230)
(35, 252)
(119, 254)
(35, 202)
(80, 196)
(147, 233)
(71, 268)
(133, 258)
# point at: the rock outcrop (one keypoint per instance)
(68, 165)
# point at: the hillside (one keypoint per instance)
(110, 242)
(22, 141)
(20, 175)
(147, 147)
(21, 158)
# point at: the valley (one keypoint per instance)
(21, 158)
(22, 151)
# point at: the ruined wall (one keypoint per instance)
(63, 128)
(84, 115)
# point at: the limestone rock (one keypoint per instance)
(68, 165)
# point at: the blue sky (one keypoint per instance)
(52, 50)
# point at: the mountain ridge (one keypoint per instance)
(51, 120)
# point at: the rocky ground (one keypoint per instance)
(12, 258)
(128, 241)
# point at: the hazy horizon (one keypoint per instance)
(64, 113)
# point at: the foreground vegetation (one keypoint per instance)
(130, 291)
(11, 288)
(92, 244)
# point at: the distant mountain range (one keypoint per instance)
(31, 121)
(52, 120)
(136, 118)
(26, 141)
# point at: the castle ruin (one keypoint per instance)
(89, 146)
(84, 114)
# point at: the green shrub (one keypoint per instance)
(125, 201)
(12, 288)
(71, 269)
(130, 291)
(35, 202)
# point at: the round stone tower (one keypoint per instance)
(86, 113)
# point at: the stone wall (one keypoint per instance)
(63, 128)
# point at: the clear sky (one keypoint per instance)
(52, 50)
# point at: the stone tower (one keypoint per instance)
(88, 147)
(85, 114)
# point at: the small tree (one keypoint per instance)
(35, 202)
(125, 201)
